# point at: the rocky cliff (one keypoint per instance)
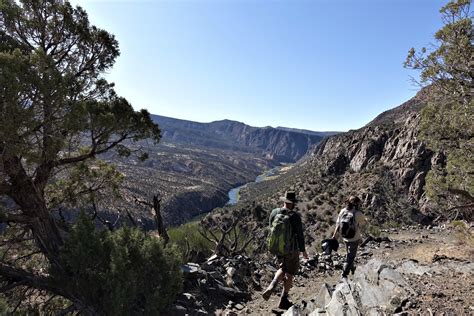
(281, 145)
(384, 163)
(386, 156)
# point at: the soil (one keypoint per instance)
(448, 292)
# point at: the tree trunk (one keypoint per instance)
(160, 226)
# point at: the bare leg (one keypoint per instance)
(279, 275)
(288, 283)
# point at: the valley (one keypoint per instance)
(196, 165)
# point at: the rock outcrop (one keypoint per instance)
(398, 150)
(376, 289)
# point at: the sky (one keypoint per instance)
(324, 65)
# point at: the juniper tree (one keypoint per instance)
(57, 114)
(447, 71)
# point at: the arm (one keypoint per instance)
(272, 216)
(336, 229)
(298, 225)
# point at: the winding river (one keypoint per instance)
(234, 194)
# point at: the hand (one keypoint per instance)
(305, 255)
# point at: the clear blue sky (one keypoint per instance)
(318, 65)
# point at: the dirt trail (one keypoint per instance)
(447, 293)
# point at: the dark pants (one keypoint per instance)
(351, 254)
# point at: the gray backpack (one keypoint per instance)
(348, 224)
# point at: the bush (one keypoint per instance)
(463, 233)
(4, 308)
(374, 230)
(187, 238)
(118, 273)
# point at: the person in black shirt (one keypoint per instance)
(289, 264)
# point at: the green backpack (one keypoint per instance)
(281, 241)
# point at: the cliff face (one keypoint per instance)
(273, 143)
(398, 150)
(384, 162)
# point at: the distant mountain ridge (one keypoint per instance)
(305, 131)
(280, 144)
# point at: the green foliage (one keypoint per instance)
(83, 182)
(4, 308)
(446, 125)
(187, 238)
(118, 273)
(374, 230)
(57, 115)
(57, 109)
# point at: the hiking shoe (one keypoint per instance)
(353, 269)
(284, 303)
(343, 278)
(268, 292)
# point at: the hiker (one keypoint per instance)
(286, 241)
(350, 224)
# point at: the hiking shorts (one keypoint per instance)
(290, 263)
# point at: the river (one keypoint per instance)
(234, 194)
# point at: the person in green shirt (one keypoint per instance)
(288, 264)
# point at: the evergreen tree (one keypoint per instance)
(447, 71)
(57, 114)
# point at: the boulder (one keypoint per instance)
(293, 311)
(377, 289)
(380, 288)
(343, 301)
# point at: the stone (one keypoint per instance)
(380, 287)
(177, 310)
(412, 267)
(190, 268)
(342, 302)
(293, 311)
(324, 296)
(239, 306)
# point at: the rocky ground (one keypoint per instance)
(427, 271)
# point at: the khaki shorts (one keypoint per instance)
(290, 263)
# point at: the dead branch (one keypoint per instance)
(104, 222)
(142, 201)
(159, 220)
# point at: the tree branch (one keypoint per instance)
(94, 152)
(14, 218)
(25, 278)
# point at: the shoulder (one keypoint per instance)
(275, 211)
(295, 217)
(294, 213)
(342, 211)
